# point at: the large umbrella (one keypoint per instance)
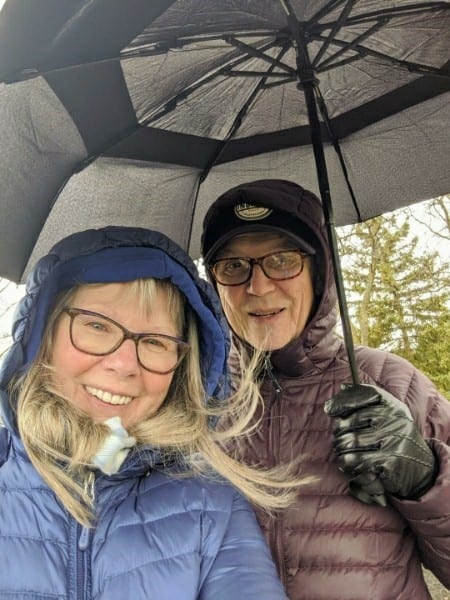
(142, 112)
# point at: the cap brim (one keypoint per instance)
(302, 245)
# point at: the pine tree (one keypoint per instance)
(398, 294)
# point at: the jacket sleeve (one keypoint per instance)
(429, 516)
(242, 567)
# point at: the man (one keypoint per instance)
(377, 503)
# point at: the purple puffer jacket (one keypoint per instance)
(330, 546)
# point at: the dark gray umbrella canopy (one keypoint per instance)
(142, 112)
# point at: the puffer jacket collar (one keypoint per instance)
(297, 359)
(316, 348)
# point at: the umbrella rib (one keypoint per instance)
(351, 45)
(222, 70)
(339, 63)
(238, 119)
(258, 54)
(412, 67)
(142, 51)
(285, 78)
(411, 9)
(272, 84)
(335, 141)
(162, 47)
(325, 11)
(338, 25)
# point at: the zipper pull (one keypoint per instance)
(89, 486)
(269, 370)
(83, 541)
(89, 490)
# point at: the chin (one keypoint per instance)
(275, 347)
(263, 346)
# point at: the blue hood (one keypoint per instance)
(113, 254)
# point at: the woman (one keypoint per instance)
(112, 478)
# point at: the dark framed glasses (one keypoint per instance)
(236, 270)
(93, 333)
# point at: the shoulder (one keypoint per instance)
(194, 493)
(383, 366)
(201, 506)
(194, 512)
(404, 381)
(388, 370)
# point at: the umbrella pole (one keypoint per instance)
(307, 83)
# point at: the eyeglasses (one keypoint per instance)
(93, 333)
(285, 264)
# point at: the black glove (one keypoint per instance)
(378, 444)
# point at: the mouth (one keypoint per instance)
(108, 397)
(264, 314)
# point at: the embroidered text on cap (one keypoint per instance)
(250, 212)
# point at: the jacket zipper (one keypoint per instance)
(275, 416)
(84, 548)
(269, 370)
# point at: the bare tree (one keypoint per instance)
(438, 218)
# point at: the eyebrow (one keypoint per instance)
(229, 253)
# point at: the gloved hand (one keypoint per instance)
(378, 444)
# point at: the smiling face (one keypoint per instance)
(115, 384)
(265, 313)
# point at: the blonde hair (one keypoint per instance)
(61, 440)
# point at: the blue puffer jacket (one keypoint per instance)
(156, 536)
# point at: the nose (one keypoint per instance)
(259, 284)
(123, 361)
